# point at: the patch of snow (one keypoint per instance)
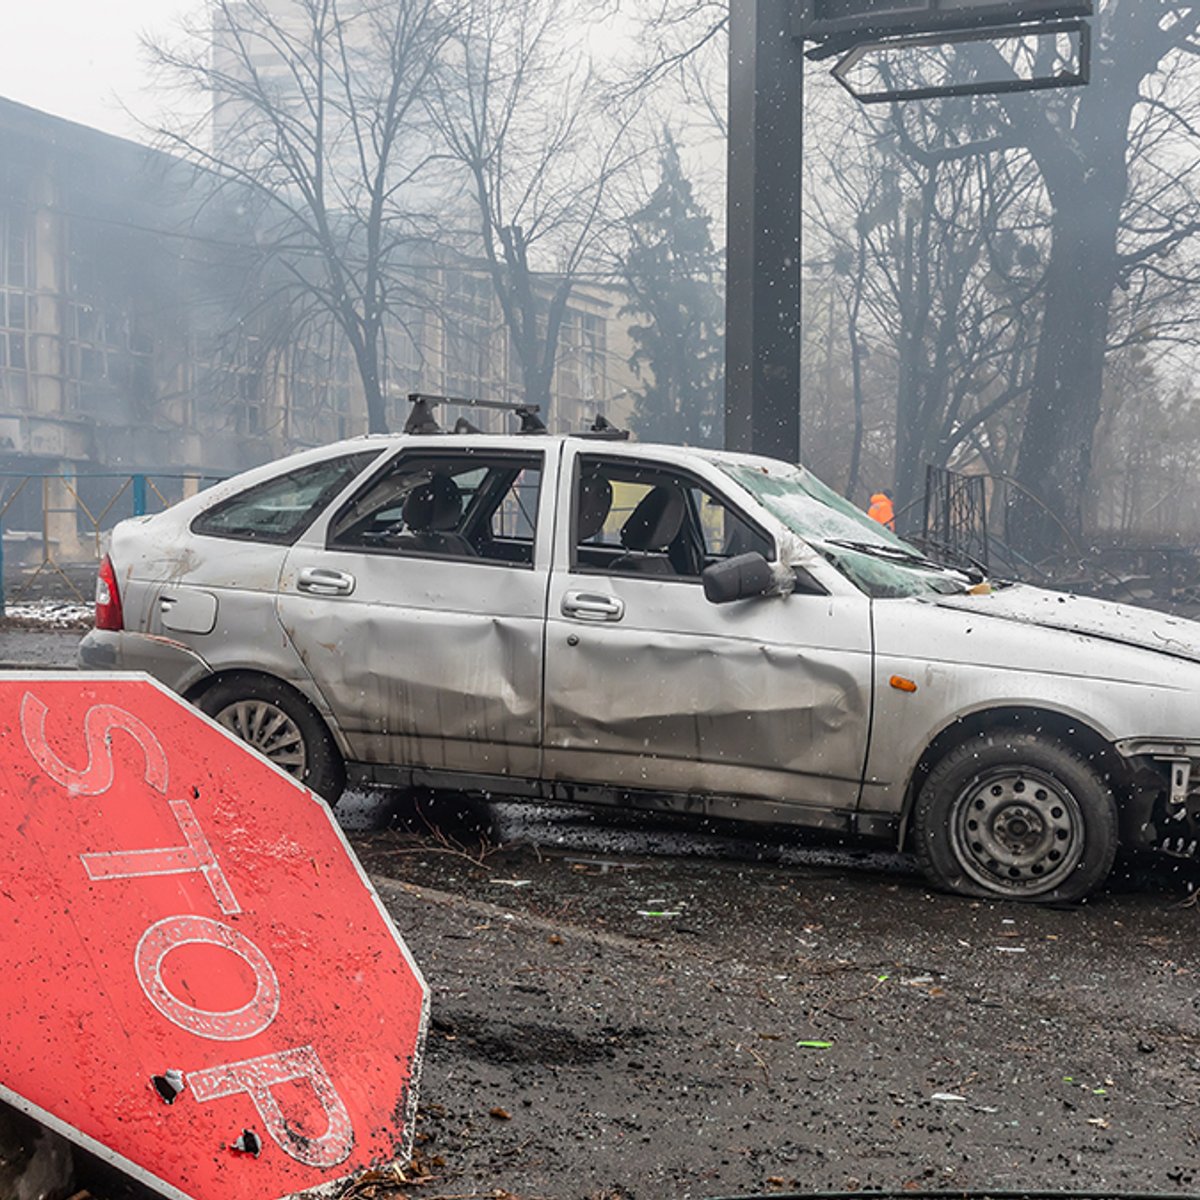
(51, 614)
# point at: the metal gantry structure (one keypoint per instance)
(768, 43)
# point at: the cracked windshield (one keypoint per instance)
(599, 601)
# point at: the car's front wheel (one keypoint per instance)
(1016, 816)
(279, 724)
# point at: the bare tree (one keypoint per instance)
(539, 153)
(932, 237)
(1120, 167)
(1107, 233)
(683, 48)
(1104, 235)
(313, 114)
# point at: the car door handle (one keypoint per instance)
(593, 606)
(321, 581)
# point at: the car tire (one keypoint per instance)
(1016, 816)
(281, 726)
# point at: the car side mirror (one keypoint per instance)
(737, 578)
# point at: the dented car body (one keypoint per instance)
(661, 627)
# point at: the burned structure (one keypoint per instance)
(136, 337)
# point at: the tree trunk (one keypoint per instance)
(910, 464)
(1087, 175)
(857, 388)
(366, 355)
(377, 420)
(916, 308)
(1055, 458)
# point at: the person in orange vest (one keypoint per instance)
(881, 509)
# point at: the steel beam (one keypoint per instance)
(762, 322)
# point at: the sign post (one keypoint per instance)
(766, 131)
(199, 983)
(762, 322)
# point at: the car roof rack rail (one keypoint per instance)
(422, 420)
(604, 430)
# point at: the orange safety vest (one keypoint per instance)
(881, 510)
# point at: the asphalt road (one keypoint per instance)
(683, 1012)
(34, 649)
(628, 1010)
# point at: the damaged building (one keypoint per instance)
(136, 339)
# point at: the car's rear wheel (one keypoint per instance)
(281, 726)
(1016, 816)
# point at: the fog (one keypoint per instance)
(82, 60)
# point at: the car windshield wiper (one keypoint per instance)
(884, 550)
(899, 554)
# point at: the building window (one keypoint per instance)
(110, 360)
(579, 377)
(320, 380)
(15, 304)
(471, 365)
(111, 365)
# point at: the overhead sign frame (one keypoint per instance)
(765, 177)
(985, 87)
(837, 25)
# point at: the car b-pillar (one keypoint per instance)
(762, 321)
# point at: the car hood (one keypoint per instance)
(1101, 619)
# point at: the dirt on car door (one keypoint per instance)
(651, 686)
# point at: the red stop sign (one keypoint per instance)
(198, 982)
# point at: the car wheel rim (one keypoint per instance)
(269, 730)
(1017, 832)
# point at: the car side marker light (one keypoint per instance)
(901, 684)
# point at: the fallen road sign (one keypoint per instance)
(198, 982)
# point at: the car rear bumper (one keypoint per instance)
(174, 664)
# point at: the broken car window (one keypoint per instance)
(639, 519)
(466, 506)
(872, 557)
(724, 532)
(279, 510)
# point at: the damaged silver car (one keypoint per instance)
(592, 620)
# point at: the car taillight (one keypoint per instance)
(108, 598)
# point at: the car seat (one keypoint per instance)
(595, 503)
(432, 512)
(649, 531)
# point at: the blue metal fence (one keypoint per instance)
(54, 524)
